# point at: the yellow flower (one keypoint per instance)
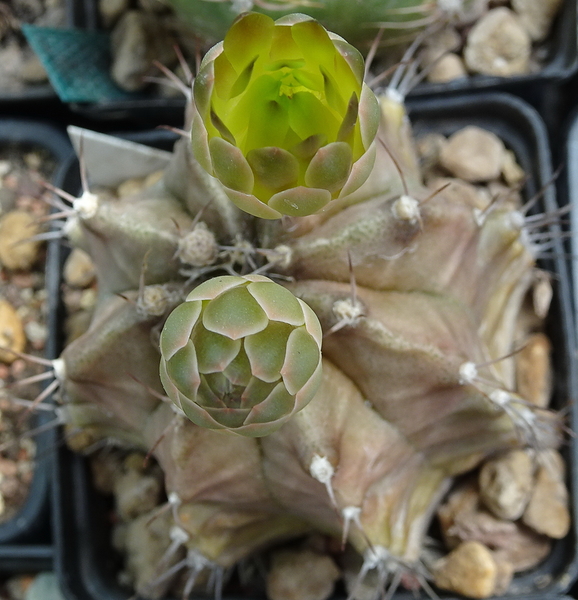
(283, 119)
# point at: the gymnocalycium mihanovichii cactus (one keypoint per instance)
(413, 298)
(358, 22)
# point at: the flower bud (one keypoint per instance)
(282, 117)
(241, 353)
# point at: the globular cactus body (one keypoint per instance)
(261, 440)
(358, 22)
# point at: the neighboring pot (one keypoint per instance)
(25, 540)
(84, 559)
(560, 64)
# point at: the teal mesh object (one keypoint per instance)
(77, 63)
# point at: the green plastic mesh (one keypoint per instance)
(77, 63)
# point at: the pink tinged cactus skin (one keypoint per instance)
(282, 117)
(110, 372)
(241, 353)
(225, 504)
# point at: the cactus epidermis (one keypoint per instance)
(418, 297)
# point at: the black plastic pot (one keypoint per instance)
(25, 540)
(570, 186)
(84, 560)
(561, 63)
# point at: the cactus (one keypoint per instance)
(357, 22)
(418, 297)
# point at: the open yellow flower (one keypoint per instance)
(283, 119)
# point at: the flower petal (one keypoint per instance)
(278, 302)
(234, 314)
(301, 361)
(182, 370)
(230, 166)
(266, 351)
(248, 37)
(330, 167)
(359, 172)
(178, 327)
(369, 115)
(273, 409)
(300, 201)
(214, 352)
(274, 167)
(213, 287)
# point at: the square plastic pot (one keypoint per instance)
(84, 559)
(25, 540)
(560, 64)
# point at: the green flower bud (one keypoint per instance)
(241, 353)
(283, 119)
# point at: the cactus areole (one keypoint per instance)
(241, 353)
(283, 119)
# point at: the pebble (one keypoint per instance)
(36, 333)
(18, 585)
(506, 484)
(448, 68)
(111, 10)
(473, 154)
(537, 17)
(498, 45)
(504, 576)
(15, 227)
(27, 10)
(45, 587)
(429, 147)
(32, 71)
(502, 194)
(11, 332)
(542, 294)
(88, 299)
(463, 518)
(464, 12)
(512, 172)
(153, 178)
(534, 370)
(469, 570)
(137, 39)
(79, 269)
(547, 512)
(301, 575)
(8, 468)
(5, 167)
(445, 40)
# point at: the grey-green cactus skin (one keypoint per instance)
(396, 416)
(358, 22)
